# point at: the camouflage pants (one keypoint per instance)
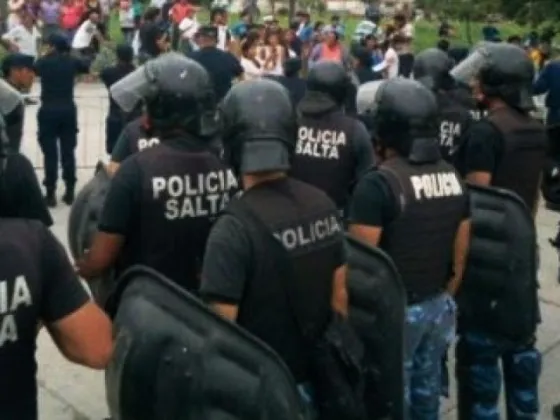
(479, 378)
(430, 328)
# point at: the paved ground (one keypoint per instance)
(68, 392)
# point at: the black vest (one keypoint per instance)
(182, 193)
(524, 153)
(305, 221)
(454, 119)
(324, 154)
(432, 200)
(139, 138)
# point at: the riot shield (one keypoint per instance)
(175, 359)
(501, 268)
(377, 312)
(82, 225)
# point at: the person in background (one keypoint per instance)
(305, 29)
(548, 82)
(317, 35)
(222, 66)
(252, 68)
(116, 120)
(219, 18)
(126, 20)
(70, 16)
(489, 32)
(339, 27)
(154, 40)
(369, 42)
(363, 66)
(330, 49)
(23, 38)
(82, 43)
(50, 16)
(241, 28)
(188, 28)
(293, 43)
(389, 67)
(270, 23)
(291, 80)
(180, 10)
(405, 31)
(445, 29)
(14, 8)
(443, 44)
(273, 54)
(515, 40)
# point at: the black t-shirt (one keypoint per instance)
(222, 66)
(132, 139)
(150, 33)
(38, 283)
(483, 149)
(21, 188)
(375, 204)
(58, 73)
(112, 75)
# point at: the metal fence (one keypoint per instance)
(92, 103)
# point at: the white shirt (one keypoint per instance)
(250, 70)
(390, 63)
(25, 39)
(408, 32)
(84, 35)
(223, 36)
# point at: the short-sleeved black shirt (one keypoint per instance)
(222, 66)
(58, 72)
(37, 283)
(483, 148)
(132, 132)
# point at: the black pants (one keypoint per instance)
(406, 61)
(113, 127)
(58, 129)
(554, 142)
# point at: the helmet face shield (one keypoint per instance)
(366, 98)
(132, 89)
(467, 70)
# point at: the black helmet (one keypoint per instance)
(373, 13)
(403, 114)
(503, 70)
(432, 67)
(177, 92)
(328, 83)
(259, 127)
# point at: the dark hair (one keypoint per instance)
(318, 25)
(151, 13)
(443, 44)
(217, 11)
(400, 17)
(247, 45)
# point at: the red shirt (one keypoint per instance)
(180, 11)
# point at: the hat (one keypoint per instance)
(208, 30)
(59, 41)
(17, 60)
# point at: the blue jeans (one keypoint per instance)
(429, 330)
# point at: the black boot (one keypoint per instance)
(50, 198)
(556, 411)
(68, 196)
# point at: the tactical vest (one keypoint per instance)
(324, 156)
(139, 137)
(432, 200)
(524, 152)
(182, 193)
(454, 119)
(305, 221)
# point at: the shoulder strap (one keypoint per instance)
(239, 209)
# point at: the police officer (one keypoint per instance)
(38, 286)
(506, 150)
(291, 79)
(222, 66)
(19, 71)
(116, 119)
(57, 118)
(136, 136)
(162, 202)
(415, 207)
(431, 68)
(333, 150)
(242, 277)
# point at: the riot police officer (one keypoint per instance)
(415, 207)
(506, 150)
(247, 276)
(333, 150)
(431, 68)
(162, 202)
(137, 135)
(38, 286)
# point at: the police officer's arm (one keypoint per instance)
(24, 190)
(482, 153)
(373, 206)
(363, 150)
(227, 266)
(121, 151)
(80, 328)
(460, 251)
(117, 220)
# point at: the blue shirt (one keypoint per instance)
(549, 82)
(239, 30)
